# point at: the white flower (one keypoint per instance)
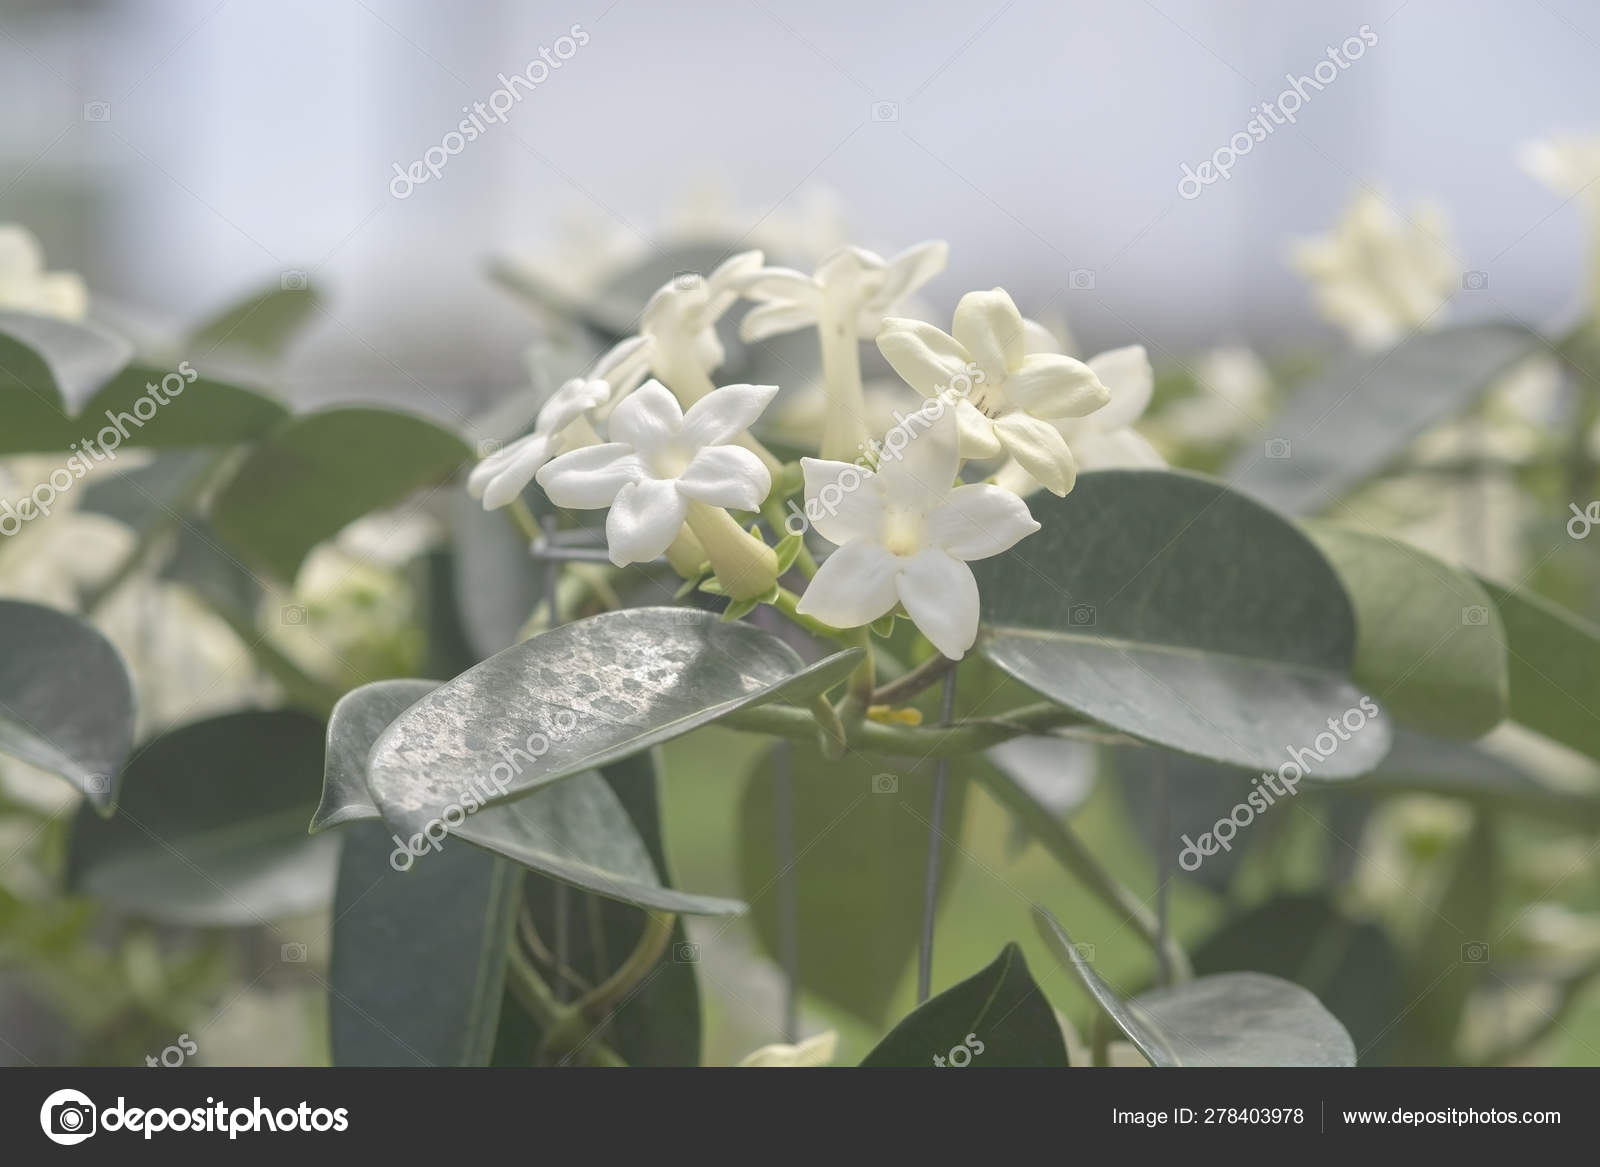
(853, 285)
(1377, 275)
(813, 1051)
(660, 461)
(1005, 397)
(26, 287)
(1566, 164)
(905, 536)
(560, 427)
(1235, 391)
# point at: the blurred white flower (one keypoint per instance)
(1005, 397)
(26, 287)
(905, 536)
(1566, 164)
(813, 1051)
(853, 287)
(678, 332)
(560, 427)
(1377, 274)
(1234, 395)
(660, 462)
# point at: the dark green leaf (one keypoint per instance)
(497, 584)
(66, 701)
(59, 363)
(1355, 420)
(1177, 611)
(357, 720)
(210, 825)
(263, 324)
(996, 1018)
(1554, 658)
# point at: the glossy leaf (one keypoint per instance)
(419, 956)
(210, 825)
(1429, 642)
(1353, 421)
(1554, 659)
(355, 723)
(321, 471)
(66, 700)
(1177, 611)
(996, 1018)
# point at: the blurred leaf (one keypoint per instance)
(264, 323)
(860, 834)
(66, 700)
(1177, 611)
(1554, 658)
(999, 1016)
(418, 957)
(201, 562)
(587, 694)
(210, 825)
(1230, 1019)
(1429, 643)
(1200, 794)
(1353, 421)
(59, 363)
(321, 471)
(142, 496)
(357, 720)
(497, 584)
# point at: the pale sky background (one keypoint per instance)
(247, 137)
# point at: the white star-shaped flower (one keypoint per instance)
(905, 536)
(852, 284)
(26, 287)
(1005, 397)
(560, 426)
(660, 460)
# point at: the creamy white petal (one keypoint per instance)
(644, 520)
(590, 478)
(941, 597)
(989, 327)
(926, 358)
(854, 586)
(573, 399)
(1012, 477)
(20, 253)
(1050, 385)
(978, 439)
(726, 476)
(504, 475)
(919, 460)
(842, 501)
(909, 270)
(1040, 449)
(781, 285)
(774, 319)
(978, 521)
(1118, 450)
(649, 419)
(624, 363)
(1128, 377)
(813, 1051)
(724, 413)
(1036, 338)
(848, 263)
(722, 285)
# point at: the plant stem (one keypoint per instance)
(922, 677)
(1163, 828)
(964, 737)
(930, 882)
(844, 430)
(609, 993)
(553, 1017)
(788, 904)
(786, 602)
(522, 518)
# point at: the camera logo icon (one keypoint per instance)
(686, 953)
(1081, 279)
(1474, 281)
(293, 280)
(688, 281)
(68, 1117)
(1474, 615)
(488, 446)
(1277, 447)
(293, 953)
(885, 111)
(1081, 615)
(97, 111)
(293, 615)
(885, 784)
(1475, 952)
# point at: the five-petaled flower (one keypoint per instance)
(1009, 405)
(560, 426)
(905, 535)
(853, 284)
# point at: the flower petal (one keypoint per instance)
(849, 264)
(989, 327)
(644, 520)
(927, 359)
(590, 478)
(1039, 448)
(843, 501)
(1128, 377)
(649, 418)
(909, 270)
(503, 475)
(775, 319)
(724, 413)
(854, 586)
(569, 402)
(978, 438)
(624, 364)
(1036, 338)
(1118, 450)
(1049, 385)
(978, 521)
(781, 285)
(920, 457)
(941, 597)
(726, 476)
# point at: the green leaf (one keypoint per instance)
(263, 324)
(1554, 658)
(1429, 642)
(419, 957)
(1177, 611)
(585, 695)
(1355, 420)
(996, 1018)
(860, 831)
(66, 700)
(321, 471)
(1200, 794)
(355, 723)
(497, 583)
(1230, 1019)
(143, 496)
(210, 825)
(58, 363)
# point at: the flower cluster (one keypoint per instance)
(647, 435)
